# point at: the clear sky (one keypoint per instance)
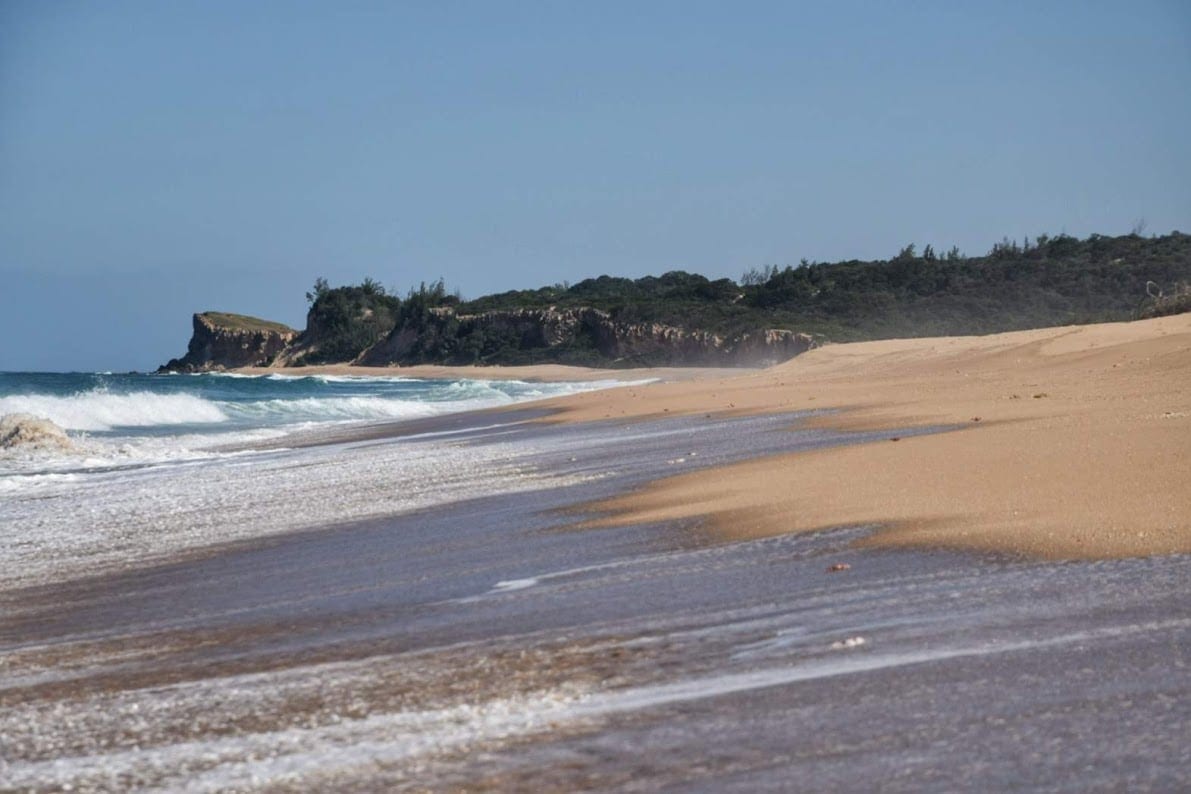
(161, 158)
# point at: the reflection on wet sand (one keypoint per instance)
(488, 643)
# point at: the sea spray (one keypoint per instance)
(117, 425)
(149, 405)
(28, 431)
(98, 410)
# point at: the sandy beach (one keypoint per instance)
(410, 606)
(1070, 442)
(1067, 442)
(556, 373)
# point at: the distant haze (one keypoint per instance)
(158, 159)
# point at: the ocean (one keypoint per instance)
(228, 406)
(165, 463)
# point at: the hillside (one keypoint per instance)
(1049, 281)
(686, 319)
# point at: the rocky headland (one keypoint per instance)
(443, 336)
(225, 341)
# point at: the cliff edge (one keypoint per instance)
(581, 336)
(226, 341)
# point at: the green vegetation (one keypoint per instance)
(343, 321)
(1051, 281)
(1177, 302)
(1048, 281)
(242, 322)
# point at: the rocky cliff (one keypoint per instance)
(582, 336)
(575, 336)
(224, 341)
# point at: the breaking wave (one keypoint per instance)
(98, 410)
(142, 406)
(332, 409)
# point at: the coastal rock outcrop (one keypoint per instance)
(576, 336)
(224, 341)
(580, 336)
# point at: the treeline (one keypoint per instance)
(342, 322)
(1018, 284)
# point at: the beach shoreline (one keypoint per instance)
(532, 373)
(463, 636)
(482, 639)
(1072, 445)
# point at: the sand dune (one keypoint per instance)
(1071, 442)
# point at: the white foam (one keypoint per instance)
(513, 584)
(99, 410)
(339, 748)
(352, 378)
(204, 498)
(241, 762)
(330, 409)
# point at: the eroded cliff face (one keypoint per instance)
(576, 336)
(582, 336)
(225, 341)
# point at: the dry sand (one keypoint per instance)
(1074, 442)
(555, 373)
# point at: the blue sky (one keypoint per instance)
(158, 159)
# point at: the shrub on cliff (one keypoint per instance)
(1017, 284)
(343, 321)
(1047, 281)
(1161, 304)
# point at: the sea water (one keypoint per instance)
(165, 463)
(106, 405)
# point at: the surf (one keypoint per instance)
(99, 410)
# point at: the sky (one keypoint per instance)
(158, 159)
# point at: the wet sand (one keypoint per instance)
(487, 644)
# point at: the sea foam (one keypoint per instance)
(100, 410)
(165, 508)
